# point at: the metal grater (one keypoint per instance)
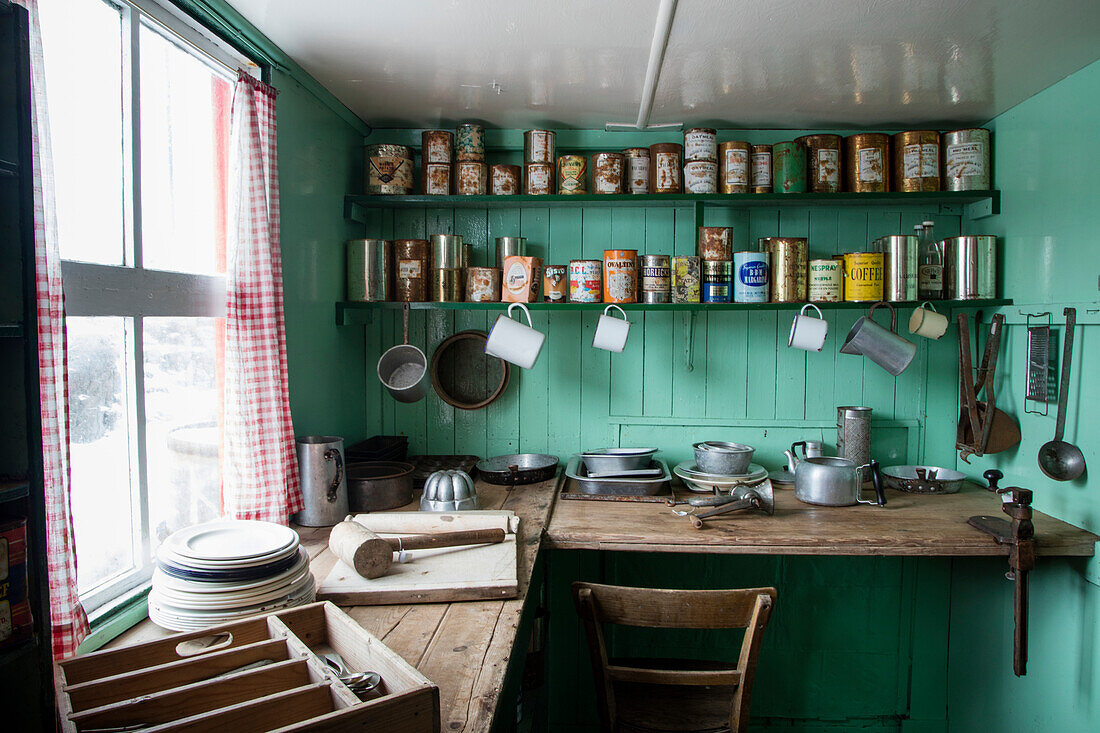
(1038, 364)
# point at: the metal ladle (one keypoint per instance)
(1058, 459)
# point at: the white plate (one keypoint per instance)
(707, 483)
(168, 616)
(166, 554)
(231, 601)
(230, 540)
(164, 580)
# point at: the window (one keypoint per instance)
(139, 102)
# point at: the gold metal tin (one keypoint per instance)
(822, 162)
(411, 257)
(867, 162)
(734, 166)
(760, 176)
(916, 161)
(447, 286)
(787, 268)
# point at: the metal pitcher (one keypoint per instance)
(324, 489)
(880, 345)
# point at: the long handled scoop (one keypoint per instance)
(371, 555)
(1058, 459)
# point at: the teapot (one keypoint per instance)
(810, 449)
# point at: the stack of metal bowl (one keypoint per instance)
(720, 466)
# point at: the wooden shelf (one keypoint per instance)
(12, 490)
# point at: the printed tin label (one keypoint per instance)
(869, 167)
(737, 167)
(387, 170)
(438, 179)
(716, 293)
(700, 176)
(700, 145)
(409, 268)
(668, 172)
(828, 166)
(762, 169)
(585, 281)
(966, 159)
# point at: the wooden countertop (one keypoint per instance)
(909, 524)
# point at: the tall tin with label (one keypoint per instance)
(607, 172)
(717, 281)
(866, 162)
(411, 258)
(656, 279)
(620, 276)
(822, 162)
(789, 167)
(826, 280)
(636, 173)
(734, 166)
(750, 277)
(666, 168)
(966, 160)
(701, 143)
(787, 268)
(761, 168)
(916, 160)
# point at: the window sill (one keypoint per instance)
(114, 618)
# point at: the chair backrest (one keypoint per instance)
(748, 608)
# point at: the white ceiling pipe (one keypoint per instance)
(661, 31)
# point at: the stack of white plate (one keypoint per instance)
(225, 570)
(703, 482)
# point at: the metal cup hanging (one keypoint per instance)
(881, 345)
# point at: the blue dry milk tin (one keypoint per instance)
(750, 277)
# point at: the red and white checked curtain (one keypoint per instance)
(261, 470)
(68, 622)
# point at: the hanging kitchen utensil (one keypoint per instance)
(983, 428)
(402, 368)
(517, 469)
(880, 345)
(1038, 364)
(1058, 459)
(464, 376)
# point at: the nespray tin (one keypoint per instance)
(826, 280)
(750, 277)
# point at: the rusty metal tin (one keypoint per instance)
(555, 284)
(789, 167)
(701, 143)
(965, 158)
(389, 169)
(787, 260)
(538, 146)
(370, 269)
(867, 162)
(687, 274)
(656, 281)
(620, 276)
(899, 266)
(734, 166)
(483, 284)
(665, 168)
(700, 176)
(504, 180)
(448, 252)
(435, 179)
(447, 286)
(572, 174)
(636, 172)
(585, 281)
(761, 175)
(437, 146)
(470, 143)
(715, 243)
(411, 258)
(826, 281)
(822, 162)
(862, 277)
(471, 178)
(538, 179)
(717, 281)
(607, 172)
(916, 161)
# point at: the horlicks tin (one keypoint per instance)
(750, 277)
(656, 279)
(716, 281)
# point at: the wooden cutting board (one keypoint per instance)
(471, 573)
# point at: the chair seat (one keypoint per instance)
(648, 708)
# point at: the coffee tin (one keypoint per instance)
(715, 243)
(436, 179)
(585, 281)
(866, 162)
(656, 279)
(470, 178)
(555, 284)
(863, 277)
(411, 258)
(538, 146)
(700, 176)
(916, 161)
(483, 284)
(826, 281)
(572, 174)
(686, 278)
(899, 266)
(716, 281)
(701, 143)
(437, 146)
(966, 160)
(665, 168)
(734, 166)
(504, 180)
(789, 167)
(787, 268)
(470, 143)
(508, 246)
(389, 169)
(636, 173)
(370, 269)
(607, 173)
(447, 286)
(538, 179)
(750, 277)
(620, 276)
(822, 162)
(761, 169)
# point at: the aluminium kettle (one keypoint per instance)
(810, 449)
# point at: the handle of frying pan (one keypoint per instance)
(1063, 383)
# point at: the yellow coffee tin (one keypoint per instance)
(863, 276)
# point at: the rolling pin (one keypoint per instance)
(371, 555)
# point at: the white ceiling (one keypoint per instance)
(744, 63)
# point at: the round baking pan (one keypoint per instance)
(464, 376)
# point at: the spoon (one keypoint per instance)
(1058, 459)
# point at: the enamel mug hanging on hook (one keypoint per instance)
(807, 332)
(611, 332)
(926, 322)
(514, 342)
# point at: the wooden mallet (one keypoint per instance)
(371, 555)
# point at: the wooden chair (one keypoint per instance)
(669, 694)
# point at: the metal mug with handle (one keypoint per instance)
(324, 487)
(611, 332)
(514, 342)
(808, 333)
(926, 322)
(881, 345)
(403, 367)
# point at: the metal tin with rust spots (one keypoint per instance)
(636, 170)
(572, 174)
(538, 179)
(435, 179)
(471, 178)
(656, 283)
(470, 143)
(665, 168)
(822, 162)
(701, 143)
(411, 258)
(370, 270)
(700, 176)
(899, 266)
(734, 166)
(916, 160)
(585, 281)
(437, 146)
(555, 284)
(449, 252)
(966, 155)
(538, 146)
(483, 284)
(620, 276)
(761, 174)
(867, 162)
(826, 281)
(787, 263)
(504, 180)
(715, 243)
(717, 281)
(789, 167)
(607, 172)
(687, 274)
(389, 169)
(862, 277)
(447, 286)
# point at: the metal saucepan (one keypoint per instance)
(379, 485)
(402, 368)
(923, 479)
(518, 468)
(1058, 459)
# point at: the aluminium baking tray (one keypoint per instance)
(618, 486)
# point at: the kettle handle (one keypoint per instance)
(795, 445)
(893, 314)
(876, 479)
(334, 455)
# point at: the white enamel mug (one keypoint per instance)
(808, 332)
(611, 332)
(512, 341)
(926, 322)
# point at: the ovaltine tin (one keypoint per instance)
(789, 167)
(822, 162)
(607, 173)
(572, 174)
(636, 174)
(411, 260)
(866, 163)
(656, 279)
(437, 146)
(447, 286)
(970, 267)
(734, 166)
(686, 278)
(916, 161)
(448, 252)
(787, 268)
(826, 281)
(620, 276)
(966, 160)
(538, 179)
(470, 143)
(508, 246)
(899, 266)
(750, 277)
(761, 168)
(389, 169)
(538, 146)
(700, 176)
(585, 281)
(701, 143)
(665, 168)
(470, 178)
(717, 281)
(436, 179)
(504, 180)
(863, 276)
(715, 243)
(555, 284)
(483, 284)
(370, 269)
